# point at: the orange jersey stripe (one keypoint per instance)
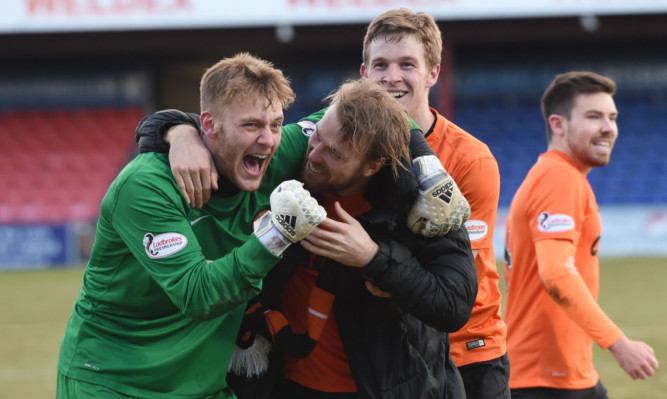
(319, 308)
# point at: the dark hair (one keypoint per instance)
(559, 97)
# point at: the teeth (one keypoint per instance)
(397, 94)
(260, 156)
(310, 165)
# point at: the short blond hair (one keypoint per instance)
(372, 121)
(394, 25)
(244, 76)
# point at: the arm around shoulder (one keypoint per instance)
(150, 132)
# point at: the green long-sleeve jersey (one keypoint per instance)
(165, 289)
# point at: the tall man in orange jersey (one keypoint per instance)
(551, 263)
(402, 51)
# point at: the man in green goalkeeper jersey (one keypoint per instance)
(166, 286)
(432, 281)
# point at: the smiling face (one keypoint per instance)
(401, 68)
(243, 138)
(332, 165)
(588, 136)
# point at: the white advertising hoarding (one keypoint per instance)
(32, 16)
(628, 231)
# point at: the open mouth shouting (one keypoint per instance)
(255, 164)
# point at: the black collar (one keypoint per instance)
(225, 189)
(430, 130)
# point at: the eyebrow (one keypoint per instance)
(401, 59)
(598, 112)
(331, 148)
(260, 122)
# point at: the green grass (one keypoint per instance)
(634, 296)
(633, 292)
(35, 307)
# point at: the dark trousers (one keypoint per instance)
(273, 385)
(488, 379)
(597, 392)
(288, 389)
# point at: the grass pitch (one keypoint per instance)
(35, 307)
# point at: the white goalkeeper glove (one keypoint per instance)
(293, 215)
(440, 206)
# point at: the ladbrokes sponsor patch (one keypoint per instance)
(477, 229)
(554, 223)
(164, 244)
(307, 128)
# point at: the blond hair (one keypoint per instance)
(373, 122)
(395, 25)
(243, 76)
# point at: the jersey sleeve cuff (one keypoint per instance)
(256, 257)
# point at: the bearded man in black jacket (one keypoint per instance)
(393, 295)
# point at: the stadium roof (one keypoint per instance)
(42, 16)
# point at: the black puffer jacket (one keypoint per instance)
(398, 347)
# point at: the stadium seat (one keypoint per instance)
(514, 131)
(56, 165)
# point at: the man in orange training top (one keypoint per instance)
(402, 51)
(551, 263)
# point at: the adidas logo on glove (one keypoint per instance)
(429, 216)
(288, 223)
(293, 215)
(445, 192)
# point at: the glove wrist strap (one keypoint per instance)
(271, 237)
(428, 170)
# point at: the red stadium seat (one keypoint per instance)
(56, 165)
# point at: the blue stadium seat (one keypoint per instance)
(515, 133)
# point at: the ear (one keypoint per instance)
(433, 75)
(372, 167)
(362, 71)
(208, 125)
(557, 124)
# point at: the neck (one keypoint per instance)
(357, 188)
(585, 169)
(424, 118)
(225, 188)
